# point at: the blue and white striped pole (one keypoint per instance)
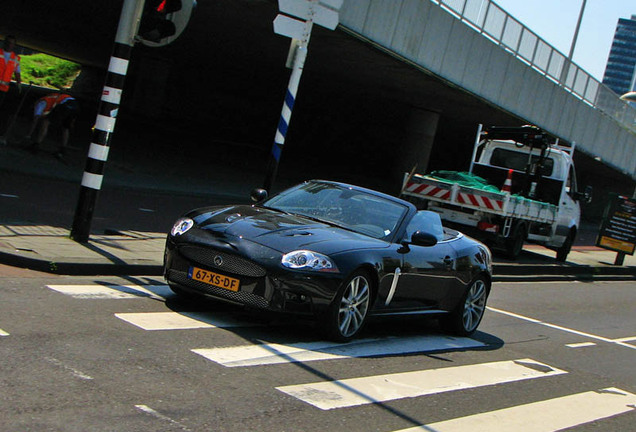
(288, 105)
(106, 118)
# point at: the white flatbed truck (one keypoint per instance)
(539, 203)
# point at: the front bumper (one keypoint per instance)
(264, 283)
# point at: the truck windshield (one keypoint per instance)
(517, 161)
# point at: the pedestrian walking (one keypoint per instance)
(58, 108)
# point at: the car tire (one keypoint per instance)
(563, 252)
(465, 318)
(347, 313)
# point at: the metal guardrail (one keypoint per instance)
(489, 19)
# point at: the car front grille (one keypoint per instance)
(242, 297)
(230, 263)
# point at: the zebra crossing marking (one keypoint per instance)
(381, 388)
(626, 339)
(181, 320)
(157, 292)
(543, 416)
(267, 354)
(580, 345)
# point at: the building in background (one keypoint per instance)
(620, 72)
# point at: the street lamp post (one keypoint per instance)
(568, 62)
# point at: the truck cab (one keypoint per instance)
(550, 178)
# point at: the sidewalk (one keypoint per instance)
(49, 249)
(43, 247)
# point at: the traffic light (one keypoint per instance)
(163, 20)
(155, 24)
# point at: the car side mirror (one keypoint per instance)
(421, 238)
(258, 195)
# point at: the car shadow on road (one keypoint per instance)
(257, 326)
(269, 327)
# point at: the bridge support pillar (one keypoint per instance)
(421, 127)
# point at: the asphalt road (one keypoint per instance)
(124, 354)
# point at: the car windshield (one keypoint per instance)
(351, 209)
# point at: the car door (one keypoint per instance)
(426, 274)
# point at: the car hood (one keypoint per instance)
(280, 231)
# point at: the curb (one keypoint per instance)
(556, 270)
(564, 278)
(80, 269)
(561, 273)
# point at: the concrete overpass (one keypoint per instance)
(478, 47)
(399, 81)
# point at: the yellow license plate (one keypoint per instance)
(213, 279)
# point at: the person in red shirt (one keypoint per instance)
(9, 66)
(58, 108)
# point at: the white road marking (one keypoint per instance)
(146, 409)
(146, 210)
(581, 345)
(382, 388)
(565, 329)
(256, 355)
(73, 371)
(181, 320)
(9, 196)
(3, 333)
(157, 292)
(544, 416)
(626, 339)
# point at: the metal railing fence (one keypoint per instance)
(493, 22)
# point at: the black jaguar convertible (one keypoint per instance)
(337, 252)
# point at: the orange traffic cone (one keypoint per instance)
(507, 186)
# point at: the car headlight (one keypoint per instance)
(181, 226)
(308, 260)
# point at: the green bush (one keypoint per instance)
(48, 71)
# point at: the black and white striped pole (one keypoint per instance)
(321, 12)
(106, 118)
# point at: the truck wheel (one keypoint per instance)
(563, 251)
(514, 244)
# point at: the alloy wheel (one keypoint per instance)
(353, 306)
(474, 306)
